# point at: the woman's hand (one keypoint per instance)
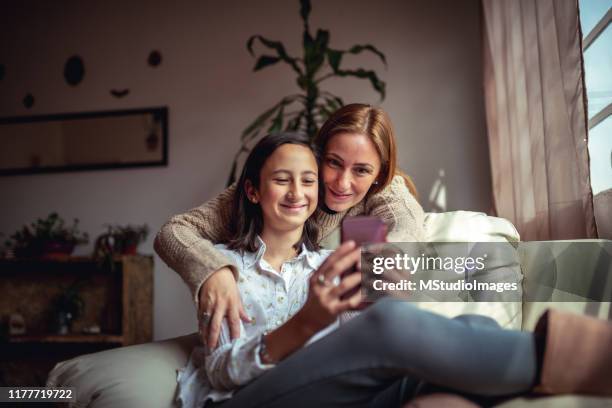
(219, 298)
(327, 300)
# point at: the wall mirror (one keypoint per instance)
(84, 141)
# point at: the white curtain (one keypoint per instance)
(536, 117)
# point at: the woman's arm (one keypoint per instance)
(398, 208)
(186, 241)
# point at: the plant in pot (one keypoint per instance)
(49, 238)
(119, 240)
(67, 307)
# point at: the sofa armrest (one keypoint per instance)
(133, 376)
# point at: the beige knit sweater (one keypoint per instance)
(186, 241)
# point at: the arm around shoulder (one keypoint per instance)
(186, 241)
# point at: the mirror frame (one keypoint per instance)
(162, 111)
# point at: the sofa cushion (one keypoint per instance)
(135, 376)
(469, 226)
(581, 267)
(557, 401)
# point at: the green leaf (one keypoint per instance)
(339, 101)
(324, 111)
(334, 57)
(264, 61)
(356, 49)
(315, 51)
(295, 123)
(322, 40)
(305, 10)
(333, 103)
(276, 46)
(253, 129)
(277, 123)
(376, 83)
(258, 122)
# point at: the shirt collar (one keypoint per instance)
(253, 258)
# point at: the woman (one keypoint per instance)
(292, 292)
(359, 176)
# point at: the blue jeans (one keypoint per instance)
(383, 356)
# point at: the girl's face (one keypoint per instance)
(350, 165)
(288, 187)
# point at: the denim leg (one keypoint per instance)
(396, 394)
(387, 342)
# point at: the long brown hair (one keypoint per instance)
(375, 124)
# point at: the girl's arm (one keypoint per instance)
(398, 208)
(186, 241)
(236, 363)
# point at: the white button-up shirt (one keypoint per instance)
(270, 298)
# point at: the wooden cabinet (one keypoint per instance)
(119, 299)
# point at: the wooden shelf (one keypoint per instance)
(72, 264)
(119, 300)
(68, 338)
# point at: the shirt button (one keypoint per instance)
(280, 299)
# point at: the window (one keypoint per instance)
(595, 17)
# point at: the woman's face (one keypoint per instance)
(350, 165)
(288, 187)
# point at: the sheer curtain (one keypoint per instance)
(536, 121)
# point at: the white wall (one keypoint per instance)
(434, 98)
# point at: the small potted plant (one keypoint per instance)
(67, 307)
(48, 238)
(121, 239)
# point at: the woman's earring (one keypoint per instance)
(375, 182)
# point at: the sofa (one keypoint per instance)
(145, 375)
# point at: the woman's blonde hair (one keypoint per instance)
(375, 124)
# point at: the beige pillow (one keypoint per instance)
(469, 226)
(143, 375)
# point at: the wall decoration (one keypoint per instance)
(119, 93)
(74, 70)
(155, 58)
(28, 101)
(84, 141)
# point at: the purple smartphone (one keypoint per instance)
(362, 230)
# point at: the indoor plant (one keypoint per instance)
(121, 239)
(47, 237)
(67, 307)
(311, 106)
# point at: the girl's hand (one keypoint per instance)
(220, 298)
(325, 299)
